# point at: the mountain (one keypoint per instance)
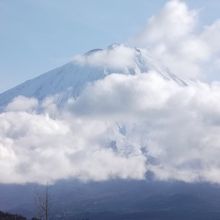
(70, 79)
(114, 199)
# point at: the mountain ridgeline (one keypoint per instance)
(70, 79)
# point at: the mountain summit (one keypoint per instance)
(71, 78)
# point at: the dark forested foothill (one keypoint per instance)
(7, 216)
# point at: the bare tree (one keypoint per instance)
(42, 202)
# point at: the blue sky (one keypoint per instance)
(38, 35)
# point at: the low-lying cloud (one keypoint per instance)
(123, 126)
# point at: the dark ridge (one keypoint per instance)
(92, 51)
(8, 216)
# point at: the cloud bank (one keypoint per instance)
(124, 126)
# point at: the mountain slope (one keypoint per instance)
(70, 79)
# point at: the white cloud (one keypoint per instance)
(123, 96)
(174, 22)
(177, 126)
(40, 148)
(22, 103)
(175, 38)
(116, 57)
(120, 127)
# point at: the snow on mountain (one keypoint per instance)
(70, 79)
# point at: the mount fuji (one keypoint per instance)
(70, 79)
(117, 198)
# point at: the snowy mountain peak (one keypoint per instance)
(115, 45)
(71, 78)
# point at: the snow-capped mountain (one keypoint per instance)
(70, 79)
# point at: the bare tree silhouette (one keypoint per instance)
(42, 202)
